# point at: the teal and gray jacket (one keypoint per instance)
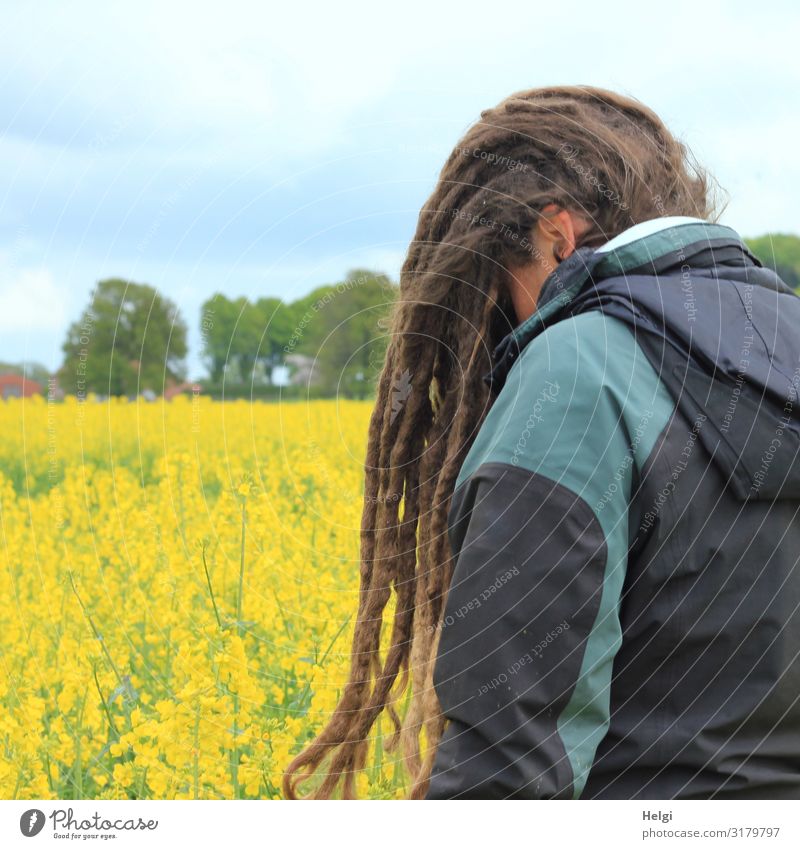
(623, 620)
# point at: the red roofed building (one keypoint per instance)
(17, 386)
(180, 389)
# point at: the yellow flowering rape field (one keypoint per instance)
(178, 582)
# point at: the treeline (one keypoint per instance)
(329, 342)
(131, 340)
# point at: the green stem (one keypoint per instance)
(78, 768)
(47, 767)
(333, 641)
(241, 570)
(97, 634)
(103, 702)
(197, 754)
(235, 752)
(210, 588)
(142, 784)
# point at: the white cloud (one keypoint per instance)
(31, 300)
(264, 78)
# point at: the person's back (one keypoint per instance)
(705, 697)
(670, 558)
(706, 683)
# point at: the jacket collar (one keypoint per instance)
(649, 247)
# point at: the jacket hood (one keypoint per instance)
(721, 330)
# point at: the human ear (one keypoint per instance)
(556, 232)
(561, 229)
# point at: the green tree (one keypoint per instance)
(780, 252)
(339, 325)
(238, 335)
(350, 337)
(219, 319)
(246, 339)
(279, 321)
(310, 327)
(128, 339)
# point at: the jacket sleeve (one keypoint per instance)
(539, 529)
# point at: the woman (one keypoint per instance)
(554, 407)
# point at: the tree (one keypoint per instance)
(218, 320)
(780, 252)
(349, 338)
(339, 325)
(237, 335)
(279, 321)
(128, 339)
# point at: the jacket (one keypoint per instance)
(623, 619)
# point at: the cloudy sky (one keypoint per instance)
(265, 149)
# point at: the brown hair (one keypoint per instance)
(598, 153)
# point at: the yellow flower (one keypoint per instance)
(152, 544)
(123, 774)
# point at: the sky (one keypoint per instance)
(265, 149)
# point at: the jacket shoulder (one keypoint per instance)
(581, 394)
